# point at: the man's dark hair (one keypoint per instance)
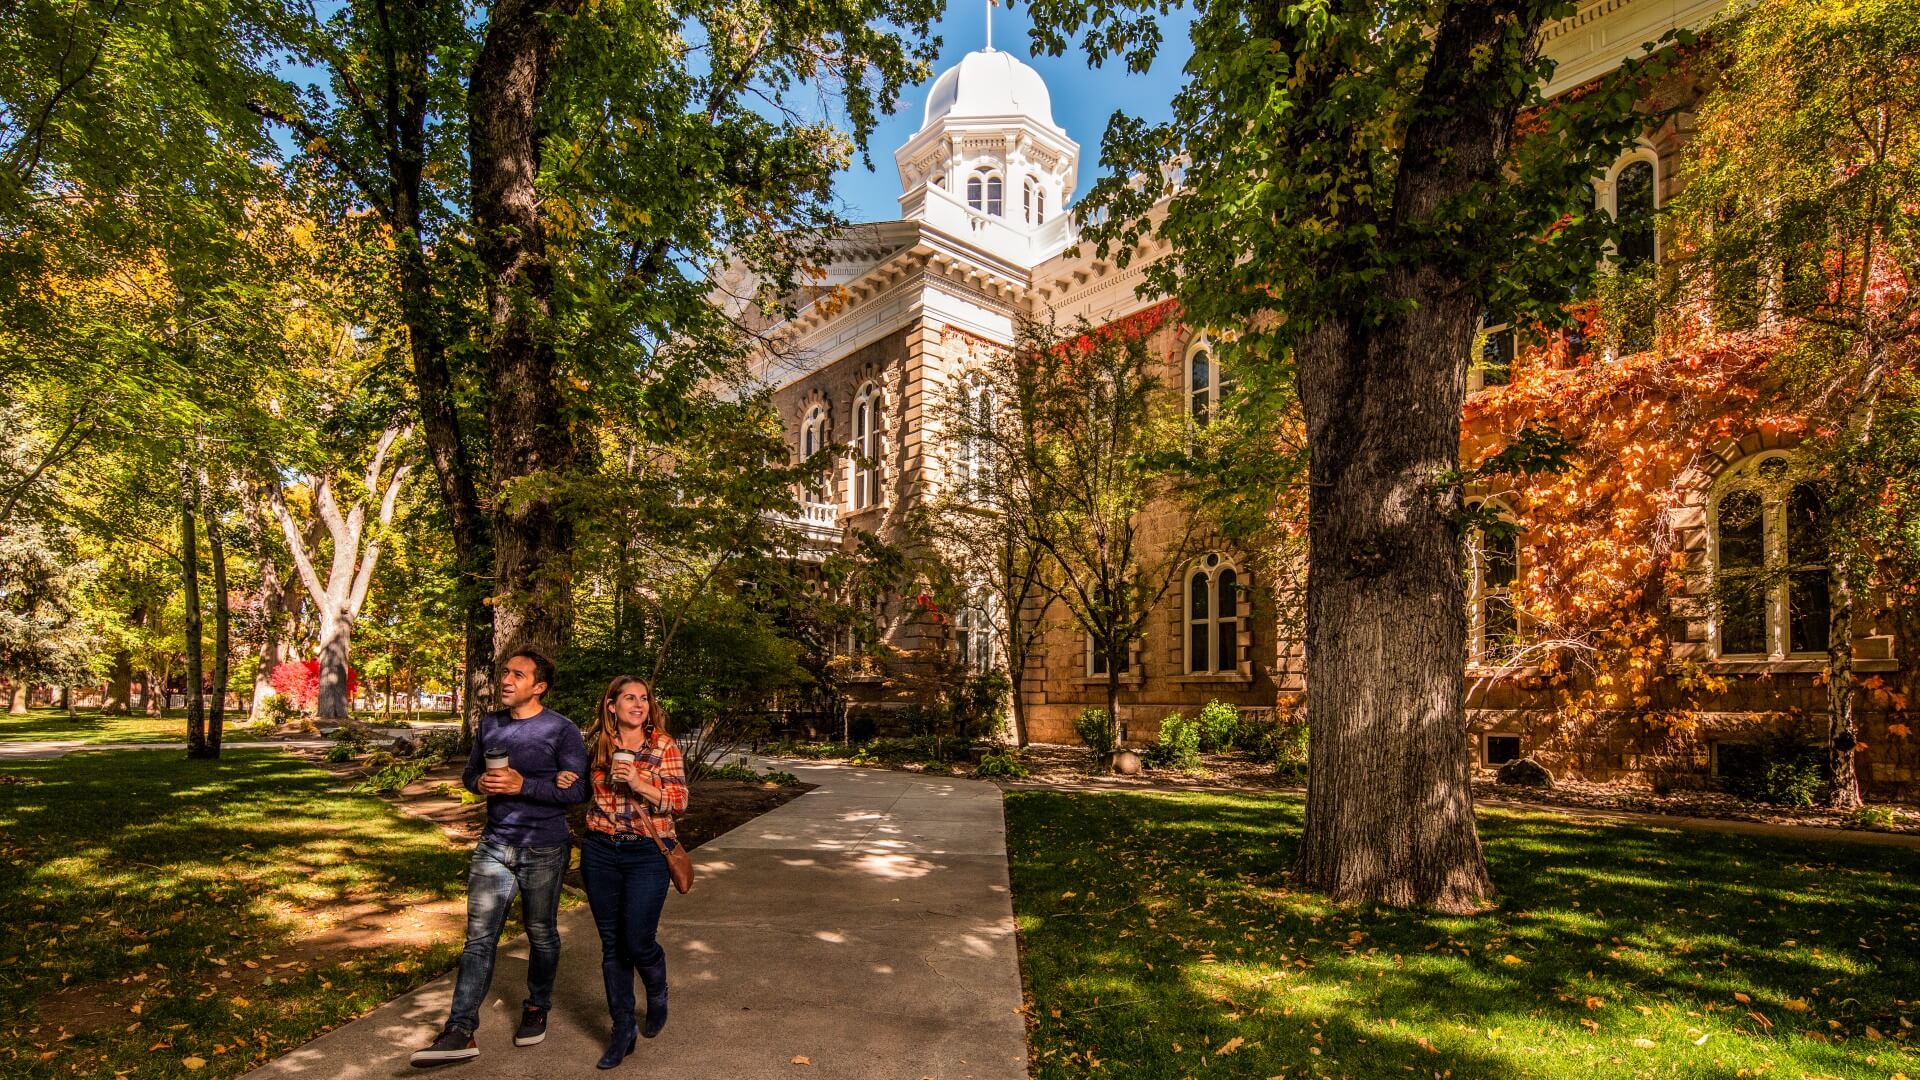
(542, 667)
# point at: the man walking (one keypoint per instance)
(528, 762)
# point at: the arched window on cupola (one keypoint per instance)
(1034, 202)
(813, 439)
(985, 193)
(868, 444)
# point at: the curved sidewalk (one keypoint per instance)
(866, 927)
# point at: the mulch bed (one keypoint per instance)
(1054, 765)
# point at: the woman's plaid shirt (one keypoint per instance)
(616, 810)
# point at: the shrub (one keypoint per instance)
(737, 771)
(393, 774)
(1873, 817)
(1787, 769)
(262, 726)
(1097, 730)
(280, 709)
(918, 748)
(809, 750)
(339, 752)
(299, 683)
(1001, 766)
(438, 746)
(1219, 725)
(456, 791)
(1289, 750)
(1179, 745)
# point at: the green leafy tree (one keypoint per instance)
(1344, 187)
(44, 634)
(1802, 208)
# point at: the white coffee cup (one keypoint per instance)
(623, 757)
(496, 759)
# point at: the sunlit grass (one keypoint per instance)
(1160, 938)
(93, 727)
(156, 884)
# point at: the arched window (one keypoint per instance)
(867, 448)
(1207, 382)
(984, 193)
(1770, 585)
(975, 417)
(973, 632)
(813, 438)
(1033, 201)
(1493, 564)
(1213, 618)
(1633, 206)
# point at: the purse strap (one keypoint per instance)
(646, 819)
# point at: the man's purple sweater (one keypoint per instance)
(540, 747)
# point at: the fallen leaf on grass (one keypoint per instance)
(1742, 998)
(1795, 1004)
(194, 1063)
(1511, 959)
(1644, 1044)
(1229, 1046)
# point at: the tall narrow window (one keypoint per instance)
(973, 632)
(993, 196)
(1494, 365)
(1770, 584)
(1493, 628)
(1633, 206)
(1213, 605)
(1040, 206)
(813, 438)
(1207, 382)
(1026, 200)
(976, 191)
(867, 447)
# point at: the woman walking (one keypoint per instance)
(639, 783)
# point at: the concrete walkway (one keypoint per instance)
(866, 927)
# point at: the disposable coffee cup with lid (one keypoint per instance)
(623, 756)
(496, 759)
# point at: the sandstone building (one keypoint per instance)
(908, 307)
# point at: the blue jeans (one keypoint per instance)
(626, 887)
(497, 872)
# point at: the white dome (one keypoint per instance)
(990, 83)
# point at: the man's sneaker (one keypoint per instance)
(533, 1026)
(452, 1045)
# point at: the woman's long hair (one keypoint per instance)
(606, 727)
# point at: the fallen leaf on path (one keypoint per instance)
(799, 1059)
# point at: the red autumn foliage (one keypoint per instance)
(299, 682)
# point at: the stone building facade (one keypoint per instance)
(907, 307)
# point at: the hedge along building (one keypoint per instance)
(1650, 681)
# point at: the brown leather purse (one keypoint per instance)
(679, 863)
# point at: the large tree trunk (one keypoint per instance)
(190, 582)
(336, 641)
(119, 699)
(222, 635)
(152, 703)
(1843, 736)
(17, 700)
(533, 448)
(281, 595)
(1389, 800)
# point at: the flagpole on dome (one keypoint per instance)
(989, 25)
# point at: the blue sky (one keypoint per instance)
(1083, 99)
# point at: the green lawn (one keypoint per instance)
(92, 727)
(1159, 937)
(165, 889)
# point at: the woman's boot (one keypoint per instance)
(620, 1045)
(654, 977)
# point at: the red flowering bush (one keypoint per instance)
(299, 683)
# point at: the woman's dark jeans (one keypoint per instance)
(626, 887)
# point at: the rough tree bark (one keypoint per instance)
(17, 699)
(1389, 803)
(119, 699)
(533, 449)
(356, 551)
(279, 595)
(190, 584)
